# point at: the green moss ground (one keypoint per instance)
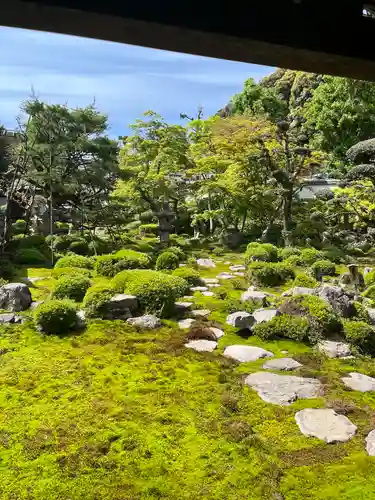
(113, 413)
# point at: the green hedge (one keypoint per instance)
(285, 253)
(56, 316)
(96, 299)
(167, 260)
(190, 275)
(303, 279)
(79, 246)
(74, 261)
(264, 252)
(71, 287)
(6, 269)
(177, 251)
(270, 273)
(29, 256)
(110, 265)
(361, 335)
(369, 292)
(322, 268)
(70, 271)
(284, 326)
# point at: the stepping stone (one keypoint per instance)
(334, 349)
(217, 332)
(183, 306)
(198, 289)
(202, 345)
(239, 273)
(213, 285)
(181, 265)
(283, 389)
(370, 444)
(284, 352)
(240, 319)
(34, 280)
(208, 294)
(263, 315)
(36, 304)
(207, 263)
(359, 382)
(188, 297)
(254, 296)
(325, 424)
(186, 323)
(238, 268)
(298, 290)
(123, 301)
(148, 321)
(225, 276)
(210, 281)
(200, 313)
(245, 353)
(227, 263)
(282, 364)
(6, 319)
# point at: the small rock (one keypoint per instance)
(245, 353)
(238, 268)
(210, 281)
(240, 319)
(198, 289)
(181, 265)
(188, 297)
(15, 297)
(183, 306)
(298, 290)
(285, 364)
(325, 424)
(200, 313)
(123, 301)
(36, 304)
(208, 294)
(367, 270)
(371, 313)
(263, 315)
(81, 319)
(186, 323)
(370, 444)
(148, 321)
(201, 345)
(227, 263)
(254, 296)
(217, 332)
(359, 382)
(207, 263)
(213, 285)
(334, 349)
(225, 276)
(283, 389)
(34, 280)
(239, 273)
(10, 319)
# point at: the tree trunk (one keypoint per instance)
(287, 218)
(211, 221)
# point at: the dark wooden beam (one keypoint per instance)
(331, 37)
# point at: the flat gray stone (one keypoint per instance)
(254, 296)
(37, 278)
(210, 281)
(198, 289)
(239, 273)
(238, 267)
(186, 323)
(370, 443)
(181, 265)
(325, 424)
(200, 313)
(227, 263)
(81, 319)
(206, 263)
(246, 353)
(213, 285)
(7, 319)
(36, 304)
(183, 306)
(202, 345)
(263, 315)
(286, 364)
(147, 321)
(298, 290)
(208, 294)
(217, 332)
(123, 301)
(371, 313)
(15, 297)
(283, 389)
(334, 349)
(225, 276)
(188, 297)
(359, 382)
(240, 319)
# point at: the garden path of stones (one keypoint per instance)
(324, 424)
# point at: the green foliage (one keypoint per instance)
(70, 271)
(286, 252)
(18, 227)
(370, 278)
(361, 312)
(6, 269)
(29, 256)
(79, 246)
(56, 316)
(360, 334)
(110, 265)
(334, 254)
(71, 287)
(98, 246)
(260, 252)
(270, 273)
(284, 326)
(74, 261)
(62, 242)
(303, 279)
(156, 291)
(322, 268)
(309, 256)
(369, 292)
(177, 251)
(95, 300)
(190, 275)
(149, 229)
(167, 260)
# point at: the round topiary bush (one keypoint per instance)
(361, 335)
(303, 279)
(167, 260)
(74, 261)
(309, 255)
(322, 268)
(369, 293)
(71, 287)
(361, 313)
(156, 291)
(79, 246)
(29, 256)
(188, 274)
(70, 271)
(96, 299)
(284, 326)
(370, 278)
(177, 251)
(110, 265)
(6, 269)
(62, 242)
(270, 273)
(264, 252)
(56, 316)
(286, 252)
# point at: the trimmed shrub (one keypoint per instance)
(110, 265)
(79, 246)
(264, 252)
(99, 246)
(369, 292)
(322, 268)
(18, 227)
(167, 260)
(96, 299)
(188, 274)
(285, 253)
(239, 284)
(156, 291)
(6, 269)
(303, 279)
(334, 254)
(309, 255)
(71, 287)
(284, 326)
(35, 240)
(370, 278)
(62, 243)
(56, 316)
(149, 229)
(177, 251)
(74, 261)
(293, 261)
(361, 313)
(269, 273)
(29, 256)
(70, 271)
(3, 282)
(361, 335)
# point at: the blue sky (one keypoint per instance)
(124, 80)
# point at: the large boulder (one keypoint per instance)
(325, 424)
(340, 300)
(148, 322)
(283, 389)
(240, 319)
(359, 382)
(255, 296)
(246, 353)
(121, 306)
(334, 349)
(15, 297)
(262, 315)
